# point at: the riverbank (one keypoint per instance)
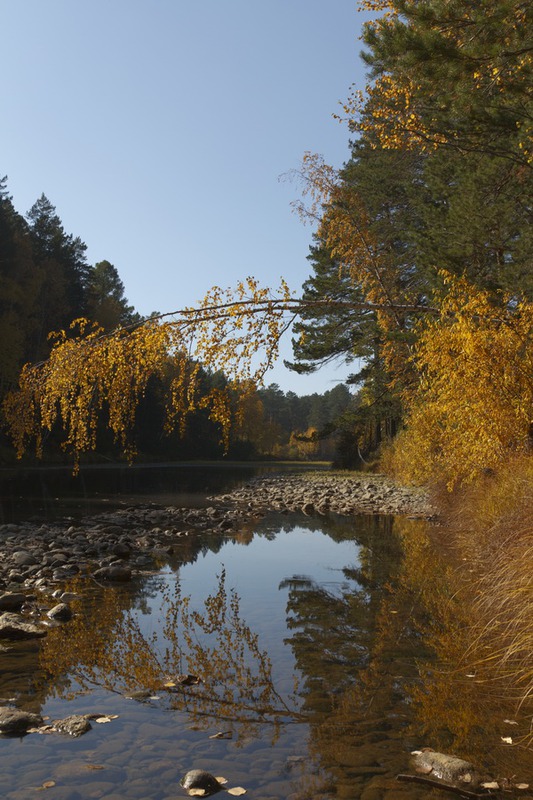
(332, 492)
(116, 545)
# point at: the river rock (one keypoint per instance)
(74, 725)
(199, 779)
(445, 767)
(62, 612)
(14, 721)
(113, 572)
(15, 626)
(12, 601)
(22, 558)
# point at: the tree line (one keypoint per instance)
(46, 283)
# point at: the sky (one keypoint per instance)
(161, 129)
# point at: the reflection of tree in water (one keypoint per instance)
(333, 629)
(207, 663)
(410, 674)
(360, 648)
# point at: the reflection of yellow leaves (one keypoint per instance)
(208, 661)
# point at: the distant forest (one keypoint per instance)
(46, 283)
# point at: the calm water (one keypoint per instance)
(306, 633)
(51, 492)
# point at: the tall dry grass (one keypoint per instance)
(491, 524)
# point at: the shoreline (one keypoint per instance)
(117, 545)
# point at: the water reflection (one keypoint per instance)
(50, 492)
(328, 647)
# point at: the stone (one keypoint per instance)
(61, 612)
(15, 626)
(14, 721)
(199, 779)
(21, 558)
(74, 725)
(113, 572)
(12, 601)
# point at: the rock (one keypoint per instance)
(12, 601)
(199, 779)
(75, 725)
(13, 721)
(22, 558)
(61, 612)
(113, 572)
(446, 768)
(120, 549)
(15, 626)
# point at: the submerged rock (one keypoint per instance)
(446, 768)
(16, 722)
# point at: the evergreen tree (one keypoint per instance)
(19, 286)
(61, 259)
(106, 303)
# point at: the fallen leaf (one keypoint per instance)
(470, 675)
(154, 697)
(102, 720)
(221, 780)
(196, 792)
(521, 786)
(511, 721)
(507, 739)
(237, 790)
(490, 785)
(222, 735)
(416, 752)
(48, 784)
(169, 685)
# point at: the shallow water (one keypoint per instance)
(319, 705)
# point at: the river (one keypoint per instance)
(297, 657)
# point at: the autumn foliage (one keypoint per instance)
(473, 405)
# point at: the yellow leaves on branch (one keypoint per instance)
(235, 332)
(403, 107)
(388, 113)
(474, 405)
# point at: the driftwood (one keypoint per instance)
(438, 784)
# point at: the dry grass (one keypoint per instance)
(492, 525)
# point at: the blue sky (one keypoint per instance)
(160, 128)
